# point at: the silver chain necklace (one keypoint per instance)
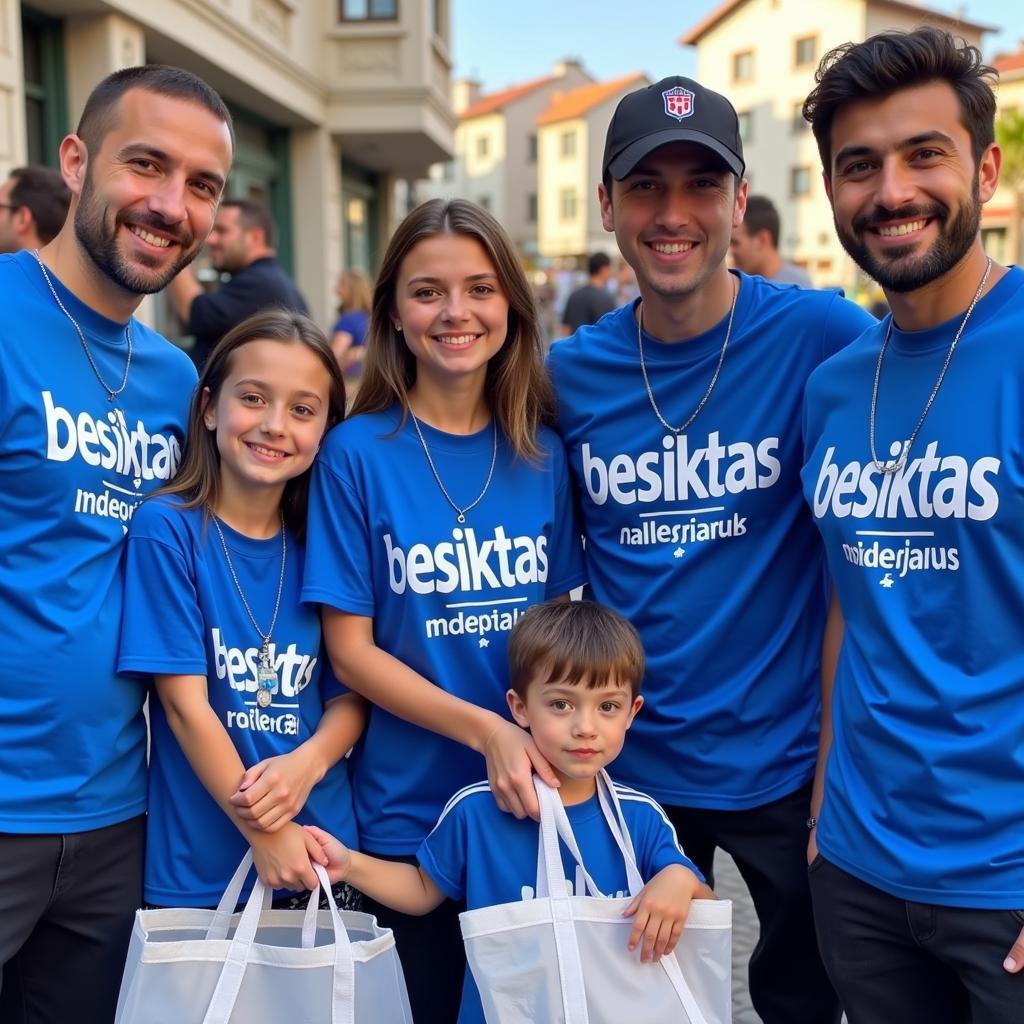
(112, 393)
(714, 380)
(266, 676)
(460, 513)
(895, 465)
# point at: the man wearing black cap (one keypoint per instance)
(681, 416)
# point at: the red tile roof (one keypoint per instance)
(576, 102)
(497, 100)
(1009, 61)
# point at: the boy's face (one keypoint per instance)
(578, 729)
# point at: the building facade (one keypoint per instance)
(334, 101)
(1001, 219)
(570, 149)
(762, 54)
(496, 150)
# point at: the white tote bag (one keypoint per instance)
(261, 966)
(562, 959)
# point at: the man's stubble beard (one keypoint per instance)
(957, 233)
(100, 245)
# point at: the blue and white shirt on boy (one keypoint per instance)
(702, 539)
(183, 616)
(479, 854)
(383, 542)
(923, 782)
(73, 467)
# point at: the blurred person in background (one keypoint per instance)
(589, 303)
(755, 246)
(33, 207)
(348, 339)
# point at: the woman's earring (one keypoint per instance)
(398, 327)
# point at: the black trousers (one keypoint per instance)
(897, 962)
(66, 908)
(432, 954)
(788, 983)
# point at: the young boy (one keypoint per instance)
(575, 670)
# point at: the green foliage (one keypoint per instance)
(1010, 136)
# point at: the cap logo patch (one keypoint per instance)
(678, 102)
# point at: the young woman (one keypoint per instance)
(439, 511)
(349, 338)
(251, 726)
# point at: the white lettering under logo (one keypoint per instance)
(677, 473)
(929, 486)
(239, 667)
(467, 563)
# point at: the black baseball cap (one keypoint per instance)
(676, 109)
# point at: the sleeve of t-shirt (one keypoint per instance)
(442, 855)
(844, 322)
(654, 838)
(338, 570)
(215, 313)
(161, 625)
(566, 568)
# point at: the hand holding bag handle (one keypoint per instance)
(222, 1003)
(568, 946)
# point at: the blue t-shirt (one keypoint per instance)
(479, 854)
(923, 784)
(703, 541)
(183, 616)
(355, 322)
(383, 542)
(73, 466)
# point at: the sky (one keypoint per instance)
(504, 43)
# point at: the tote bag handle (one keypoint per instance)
(222, 1003)
(555, 825)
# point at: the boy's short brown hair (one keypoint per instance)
(574, 642)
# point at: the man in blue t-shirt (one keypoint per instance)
(914, 476)
(681, 419)
(92, 415)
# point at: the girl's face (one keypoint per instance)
(269, 416)
(450, 307)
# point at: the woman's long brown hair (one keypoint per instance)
(516, 384)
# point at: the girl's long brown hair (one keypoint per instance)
(516, 384)
(198, 478)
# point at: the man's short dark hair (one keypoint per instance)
(891, 61)
(761, 215)
(98, 116)
(42, 190)
(597, 262)
(251, 215)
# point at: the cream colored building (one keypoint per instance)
(496, 150)
(570, 149)
(1001, 225)
(333, 100)
(762, 54)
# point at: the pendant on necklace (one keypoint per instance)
(266, 680)
(460, 518)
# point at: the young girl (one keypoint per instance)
(251, 727)
(440, 510)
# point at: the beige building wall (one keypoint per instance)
(779, 149)
(482, 143)
(1001, 217)
(375, 93)
(562, 221)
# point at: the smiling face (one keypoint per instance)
(451, 309)
(673, 216)
(905, 191)
(578, 729)
(146, 199)
(269, 416)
